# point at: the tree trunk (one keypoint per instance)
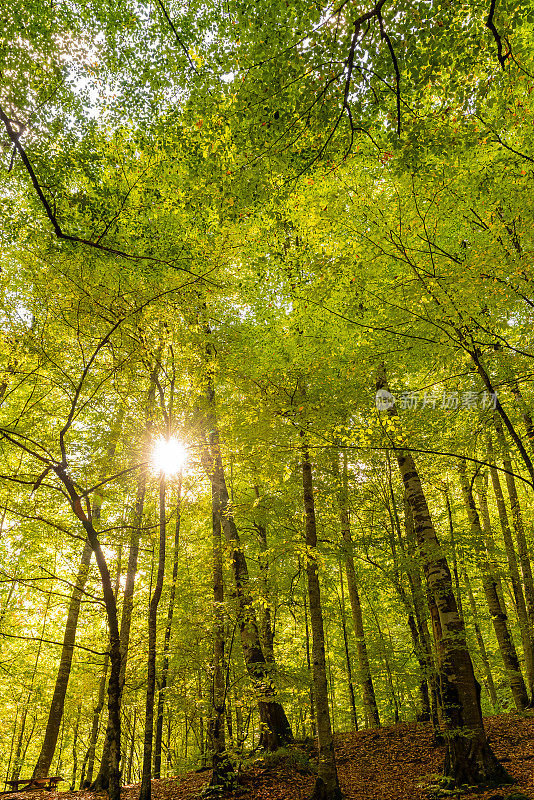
(389, 673)
(146, 778)
(489, 584)
(347, 653)
(469, 757)
(57, 704)
(266, 626)
(309, 665)
(265, 617)
(426, 656)
(19, 754)
(414, 610)
(527, 637)
(275, 727)
(364, 670)
(519, 528)
(491, 548)
(132, 747)
(222, 771)
(481, 644)
(327, 784)
(75, 748)
(167, 638)
(93, 738)
(101, 781)
(455, 571)
(114, 688)
(525, 413)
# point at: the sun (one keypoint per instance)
(168, 455)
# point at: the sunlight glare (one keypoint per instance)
(168, 455)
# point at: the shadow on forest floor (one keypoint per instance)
(394, 763)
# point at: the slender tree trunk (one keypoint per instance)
(330, 681)
(415, 616)
(309, 665)
(146, 779)
(491, 549)
(75, 748)
(239, 727)
(364, 669)
(266, 626)
(525, 413)
(347, 653)
(327, 784)
(498, 615)
(265, 617)
(57, 704)
(17, 761)
(167, 638)
(426, 656)
(387, 665)
(425, 714)
(519, 528)
(222, 770)
(101, 781)
(481, 645)
(229, 720)
(527, 635)
(132, 747)
(455, 571)
(469, 757)
(11, 747)
(93, 738)
(89, 759)
(19, 754)
(201, 742)
(275, 726)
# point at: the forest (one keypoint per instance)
(266, 400)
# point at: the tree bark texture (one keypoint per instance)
(167, 638)
(327, 784)
(489, 584)
(364, 669)
(146, 778)
(276, 730)
(469, 758)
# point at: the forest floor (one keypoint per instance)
(394, 763)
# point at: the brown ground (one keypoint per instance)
(394, 763)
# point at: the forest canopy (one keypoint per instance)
(266, 406)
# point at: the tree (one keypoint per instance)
(469, 757)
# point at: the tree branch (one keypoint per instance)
(173, 28)
(385, 37)
(50, 641)
(490, 24)
(50, 213)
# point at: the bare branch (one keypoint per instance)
(50, 641)
(490, 24)
(173, 28)
(50, 212)
(384, 35)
